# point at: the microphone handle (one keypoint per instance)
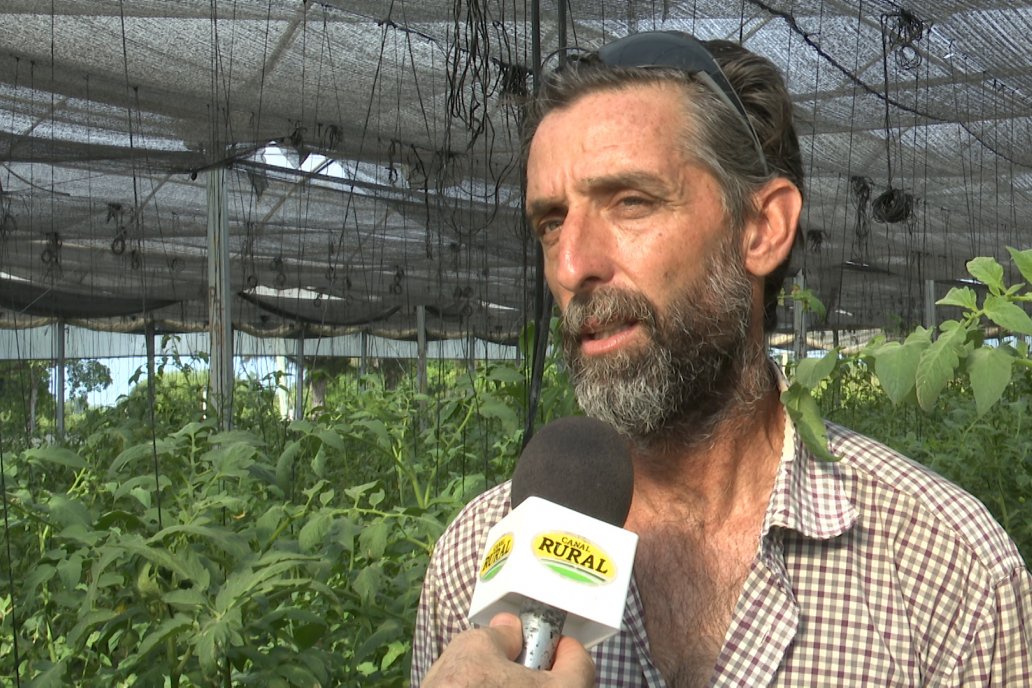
(542, 628)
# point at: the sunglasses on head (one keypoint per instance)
(680, 51)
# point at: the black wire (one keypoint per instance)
(808, 38)
(10, 568)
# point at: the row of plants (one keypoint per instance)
(153, 549)
(150, 548)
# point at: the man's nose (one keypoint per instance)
(584, 253)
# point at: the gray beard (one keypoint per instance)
(692, 369)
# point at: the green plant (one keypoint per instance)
(278, 554)
(957, 402)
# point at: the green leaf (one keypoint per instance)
(302, 426)
(306, 635)
(211, 639)
(505, 374)
(345, 531)
(190, 599)
(1007, 314)
(920, 335)
(87, 621)
(1023, 261)
(895, 365)
(39, 574)
(367, 583)
(233, 544)
(491, 407)
(806, 416)
(138, 452)
(331, 439)
(70, 570)
(285, 465)
(990, 372)
(965, 297)
(68, 512)
(379, 432)
(373, 540)
(385, 632)
(357, 491)
(52, 677)
(143, 496)
(268, 523)
(987, 271)
(810, 372)
(59, 456)
(156, 555)
(394, 650)
(319, 462)
(313, 532)
(121, 519)
(376, 498)
(169, 628)
(244, 583)
(938, 364)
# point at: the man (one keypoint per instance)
(666, 192)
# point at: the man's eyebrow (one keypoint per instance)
(634, 179)
(542, 206)
(645, 181)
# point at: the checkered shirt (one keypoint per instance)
(872, 571)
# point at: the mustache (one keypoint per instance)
(603, 306)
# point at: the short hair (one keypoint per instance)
(719, 138)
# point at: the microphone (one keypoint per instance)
(560, 559)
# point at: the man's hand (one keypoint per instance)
(483, 658)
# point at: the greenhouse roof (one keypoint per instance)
(372, 159)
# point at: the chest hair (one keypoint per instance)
(689, 589)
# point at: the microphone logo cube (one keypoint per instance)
(549, 553)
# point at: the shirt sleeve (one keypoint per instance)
(1001, 654)
(436, 619)
(450, 578)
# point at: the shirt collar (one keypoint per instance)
(808, 495)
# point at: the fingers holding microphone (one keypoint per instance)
(484, 658)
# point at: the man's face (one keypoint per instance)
(685, 369)
(639, 257)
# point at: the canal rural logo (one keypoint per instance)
(496, 557)
(574, 557)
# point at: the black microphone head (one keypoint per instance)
(580, 463)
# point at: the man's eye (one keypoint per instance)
(634, 201)
(548, 226)
(634, 205)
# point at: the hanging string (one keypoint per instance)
(135, 219)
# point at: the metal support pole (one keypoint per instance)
(220, 323)
(59, 400)
(299, 380)
(151, 380)
(281, 391)
(929, 304)
(421, 345)
(799, 321)
(364, 354)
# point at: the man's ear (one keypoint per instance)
(769, 236)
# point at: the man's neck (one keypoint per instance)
(716, 483)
